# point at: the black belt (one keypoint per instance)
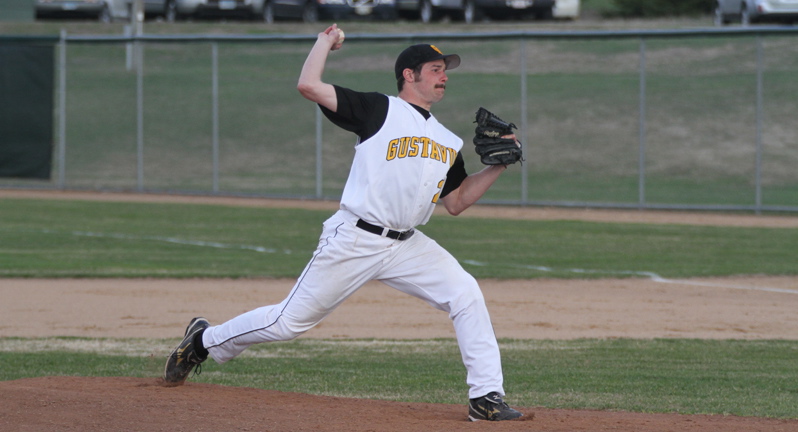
(385, 232)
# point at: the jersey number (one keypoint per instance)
(438, 195)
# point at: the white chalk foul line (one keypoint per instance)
(652, 276)
(720, 285)
(173, 240)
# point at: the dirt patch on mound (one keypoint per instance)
(135, 404)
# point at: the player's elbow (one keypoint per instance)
(305, 89)
(309, 87)
(453, 206)
(319, 92)
(454, 212)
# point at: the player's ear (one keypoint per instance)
(409, 75)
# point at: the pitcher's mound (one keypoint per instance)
(141, 404)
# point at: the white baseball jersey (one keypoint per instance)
(398, 174)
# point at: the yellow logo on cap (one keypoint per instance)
(436, 49)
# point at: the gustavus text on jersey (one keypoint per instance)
(420, 147)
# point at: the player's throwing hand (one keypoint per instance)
(336, 36)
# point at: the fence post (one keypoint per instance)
(524, 167)
(62, 110)
(215, 113)
(759, 115)
(138, 50)
(641, 161)
(128, 32)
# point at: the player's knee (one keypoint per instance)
(466, 301)
(290, 331)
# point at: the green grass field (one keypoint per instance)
(57, 238)
(61, 238)
(746, 378)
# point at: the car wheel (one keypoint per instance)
(426, 12)
(268, 12)
(310, 12)
(105, 15)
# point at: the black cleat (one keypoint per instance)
(183, 359)
(490, 407)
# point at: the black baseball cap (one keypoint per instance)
(415, 55)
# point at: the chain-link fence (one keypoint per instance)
(697, 119)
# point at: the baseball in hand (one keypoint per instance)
(341, 37)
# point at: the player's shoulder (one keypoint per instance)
(356, 94)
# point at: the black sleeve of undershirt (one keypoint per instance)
(361, 113)
(456, 175)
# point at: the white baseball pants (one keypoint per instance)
(346, 258)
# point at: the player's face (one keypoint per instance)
(431, 81)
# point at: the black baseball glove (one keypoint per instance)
(490, 146)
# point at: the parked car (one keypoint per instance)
(98, 9)
(521, 9)
(751, 11)
(474, 10)
(152, 8)
(313, 10)
(271, 10)
(431, 10)
(182, 9)
(353, 9)
(156, 8)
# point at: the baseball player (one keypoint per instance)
(405, 162)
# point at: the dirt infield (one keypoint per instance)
(723, 308)
(738, 308)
